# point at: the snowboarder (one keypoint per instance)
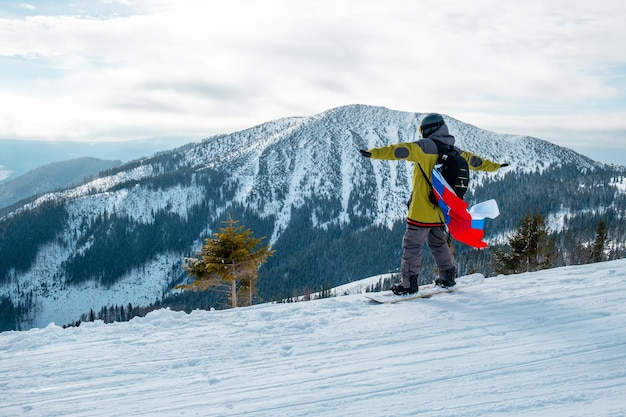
(425, 222)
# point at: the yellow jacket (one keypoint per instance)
(424, 153)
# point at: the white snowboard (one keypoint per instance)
(426, 291)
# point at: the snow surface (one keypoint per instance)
(550, 343)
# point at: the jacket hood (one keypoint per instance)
(442, 135)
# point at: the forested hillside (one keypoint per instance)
(330, 215)
(51, 177)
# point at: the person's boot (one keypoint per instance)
(400, 289)
(446, 278)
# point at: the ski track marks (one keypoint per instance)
(546, 343)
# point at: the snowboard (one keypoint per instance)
(425, 291)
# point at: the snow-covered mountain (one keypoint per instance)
(299, 181)
(550, 343)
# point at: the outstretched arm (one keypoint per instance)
(408, 151)
(478, 163)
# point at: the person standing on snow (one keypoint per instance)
(425, 220)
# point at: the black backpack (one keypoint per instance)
(453, 168)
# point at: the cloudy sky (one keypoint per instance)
(105, 70)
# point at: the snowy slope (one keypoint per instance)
(551, 343)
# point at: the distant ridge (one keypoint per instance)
(52, 177)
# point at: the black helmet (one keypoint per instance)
(430, 123)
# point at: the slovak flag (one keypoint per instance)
(466, 226)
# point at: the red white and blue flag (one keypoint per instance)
(466, 226)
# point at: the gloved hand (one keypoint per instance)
(506, 164)
(365, 153)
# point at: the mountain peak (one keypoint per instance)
(331, 215)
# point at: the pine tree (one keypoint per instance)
(599, 245)
(531, 249)
(232, 257)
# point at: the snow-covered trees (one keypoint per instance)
(232, 257)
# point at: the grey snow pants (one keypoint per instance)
(412, 245)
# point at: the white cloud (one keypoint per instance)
(215, 66)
